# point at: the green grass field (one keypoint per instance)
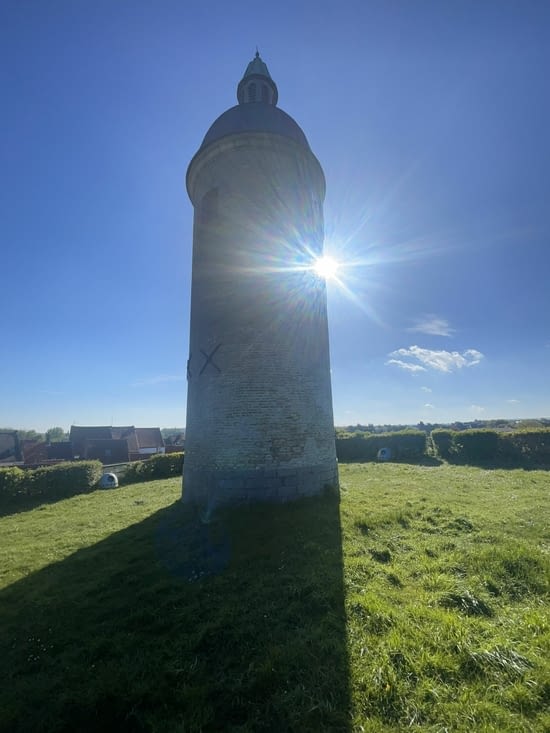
(417, 603)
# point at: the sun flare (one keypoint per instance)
(326, 267)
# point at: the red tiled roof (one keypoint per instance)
(149, 438)
(34, 451)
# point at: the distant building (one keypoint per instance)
(110, 444)
(149, 441)
(60, 451)
(35, 452)
(107, 444)
(10, 449)
(38, 453)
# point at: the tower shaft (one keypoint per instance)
(259, 408)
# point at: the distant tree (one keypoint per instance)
(30, 435)
(55, 435)
(529, 424)
(171, 432)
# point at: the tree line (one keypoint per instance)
(52, 435)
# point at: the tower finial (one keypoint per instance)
(256, 84)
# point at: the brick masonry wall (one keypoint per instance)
(259, 411)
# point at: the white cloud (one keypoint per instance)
(429, 406)
(478, 409)
(425, 389)
(159, 379)
(441, 361)
(432, 326)
(405, 365)
(513, 402)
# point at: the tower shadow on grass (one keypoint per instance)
(170, 625)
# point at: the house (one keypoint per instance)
(149, 441)
(10, 449)
(112, 444)
(35, 452)
(106, 450)
(39, 453)
(62, 450)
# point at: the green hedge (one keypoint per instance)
(63, 479)
(66, 479)
(529, 447)
(522, 448)
(405, 445)
(476, 446)
(161, 465)
(11, 481)
(443, 442)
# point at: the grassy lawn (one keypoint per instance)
(417, 603)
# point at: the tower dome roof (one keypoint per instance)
(257, 110)
(254, 118)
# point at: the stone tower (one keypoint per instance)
(259, 405)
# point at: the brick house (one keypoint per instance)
(110, 444)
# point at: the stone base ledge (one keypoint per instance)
(213, 489)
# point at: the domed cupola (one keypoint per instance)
(257, 84)
(257, 110)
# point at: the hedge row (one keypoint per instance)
(405, 445)
(63, 479)
(522, 448)
(161, 465)
(66, 479)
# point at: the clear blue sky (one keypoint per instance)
(431, 121)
